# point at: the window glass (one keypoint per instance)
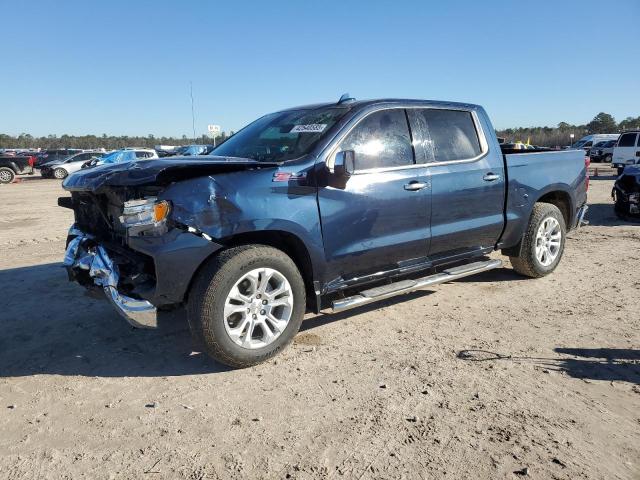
(380, 140)
(453, 134)
(588, 144)
(627, 140)
(638, 141)
(281, 136)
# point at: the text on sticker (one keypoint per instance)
(310, 128)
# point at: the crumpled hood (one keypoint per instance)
(156, 172)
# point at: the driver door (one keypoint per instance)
(378, 220)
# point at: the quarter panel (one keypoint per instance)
(533, 175)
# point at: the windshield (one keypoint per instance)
(281, 136)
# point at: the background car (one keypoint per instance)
(55, 154)
(61, 168)
(190, 150)
(588, 141)
(602, 151)
(121, 156)
(627, 150)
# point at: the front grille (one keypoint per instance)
(95, 215)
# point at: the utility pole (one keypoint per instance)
(193, 115)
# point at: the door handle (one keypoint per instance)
(491, 177)
(414, 186)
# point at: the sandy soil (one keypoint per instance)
(475, 379)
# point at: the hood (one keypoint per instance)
(160, 171)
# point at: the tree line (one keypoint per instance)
(561, 134)
(543, 136)
(109, 142)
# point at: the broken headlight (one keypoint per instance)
(145, 216)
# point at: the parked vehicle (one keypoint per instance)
(122, 156)
(55, 154)
(331, 205)
(627, 151)
(61, 168)
(587, 142)
(190, 150)
(12, 165)
(626, 193)
(602, 151)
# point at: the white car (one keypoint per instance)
(62, 168)
(627, 150)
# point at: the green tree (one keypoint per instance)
(602, 123)
(630, 123)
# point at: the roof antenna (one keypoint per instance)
(346, 98)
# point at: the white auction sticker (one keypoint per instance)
(310, 128)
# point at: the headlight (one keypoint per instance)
(630, 162)
(146, 215)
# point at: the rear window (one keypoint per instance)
(627, 140)
(453, 134)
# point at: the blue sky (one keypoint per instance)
(123, 67)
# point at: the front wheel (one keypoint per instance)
(246, 305)
(6, 175)
(60, 173)
(542, 243)
(608, 158)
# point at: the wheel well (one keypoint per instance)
(562, 200)
(289, 244)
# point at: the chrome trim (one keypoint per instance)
(139, 313)
(333, 147)
(94, 258)
(442, 277)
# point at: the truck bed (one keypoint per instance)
(531, 174)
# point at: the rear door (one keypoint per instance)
(627, 151)
(378, 220)
(467, 181)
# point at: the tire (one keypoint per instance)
(619, 211)
(6, 175)
(528, 263)
(60, 173)
(212, 292)
(608, 158)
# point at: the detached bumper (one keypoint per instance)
(84, 254)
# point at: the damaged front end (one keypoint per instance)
(626, 193)
(133, 237)
(89, 263)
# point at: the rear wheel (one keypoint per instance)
(542, 243)
(6, 175)
(60, 173)
(246, 305)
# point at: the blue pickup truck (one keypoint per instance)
(327, 206)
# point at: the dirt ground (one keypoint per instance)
(479, 378)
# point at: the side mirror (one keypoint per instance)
(344, 164)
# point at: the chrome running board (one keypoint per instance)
(406, 286)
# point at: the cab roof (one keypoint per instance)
(359, 104)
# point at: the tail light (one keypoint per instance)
(587, 162)
(32, 161)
